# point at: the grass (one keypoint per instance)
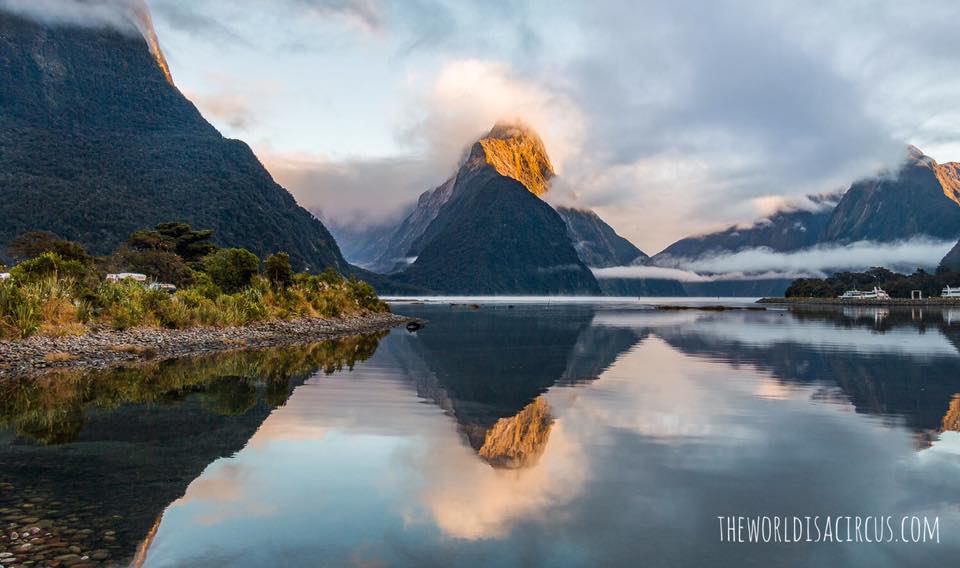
(59, 357)
(138, 350)
(55, 306)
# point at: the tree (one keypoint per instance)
(160, 265)
(231, 269)
(177, 238)
(34, 243)
(277, 269)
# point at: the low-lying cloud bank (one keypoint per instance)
(816, 262)
(118, 14)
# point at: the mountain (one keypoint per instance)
(486, 230)
(596, 243)
(921, 198)
(784, 231)
(97, 142)
(951, 262)
(395, 248)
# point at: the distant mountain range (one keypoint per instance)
(487, 230)
(920, 198)
(783, 231)
(464, 218)
(97, 142)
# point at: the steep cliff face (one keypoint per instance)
(949, 177)
(784, 231)
(597, 244)
(495, 237)
(96, 142)
(396, 248)
(921, 198)
(519, 441)
(515, 151)
(951, 262)
(486, 231)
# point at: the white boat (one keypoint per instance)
(852, 295)
(875, 294)
(949, 292)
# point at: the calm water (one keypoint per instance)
(567, 434)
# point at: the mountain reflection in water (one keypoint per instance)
(551, 435)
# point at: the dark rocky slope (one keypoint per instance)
(921, 198)
(951, 262)
(783, 232)
(96, 142)
(597, 244)
(491, 233)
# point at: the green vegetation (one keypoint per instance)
(51, 409)
(897, 285)
(52, 294)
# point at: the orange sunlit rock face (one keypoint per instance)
(144, 21)
(949, 177)
(951, 420)
(515, 151)
(519, 441)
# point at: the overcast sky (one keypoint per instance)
(668, 118)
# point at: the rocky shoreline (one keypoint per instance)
(944, 302)
(104, 348)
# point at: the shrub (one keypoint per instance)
(231, 269)
(50, 265)
(277, 269)
(365, 296)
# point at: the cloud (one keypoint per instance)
(351, 193)
(231, 109)
(770, 205)
(365, 14)
(117, 14)
(815, 262)
(681, 275)
(467, 97)
(454, 108)
(902, 255)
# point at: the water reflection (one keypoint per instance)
(93, 457)
(536, 435)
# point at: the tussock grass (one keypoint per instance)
(59, 357)
(53, 305)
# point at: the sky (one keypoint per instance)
(667, 118)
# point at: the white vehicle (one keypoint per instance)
(875, 294)
(162, 286)
(6, 276)
(126, 276)
(949, 292)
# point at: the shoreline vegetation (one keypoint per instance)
(907, 302)
(900, 287)
(109, 348)
(60, 306)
